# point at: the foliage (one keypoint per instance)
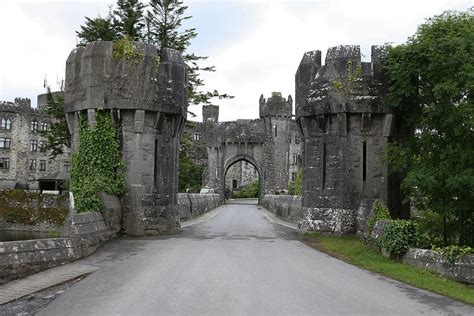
(354, 251)
(190, 152)
(128, 19)
(190, 175)
(296, 187)
(252, 191)
(454, 253)
(98, 29)
(96, 165)
(126, 49)
(57, 135)
(347, 85)
(161, 25)
(18, 206)
(399, 236)
(430, 229)
(431, 78)
(380, 213)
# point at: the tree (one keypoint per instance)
(57, 135)
(97, 29)
(190, 170)
(431, 78)
(162, 25)
(128, 19)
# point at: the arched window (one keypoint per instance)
(8, 124)
(3, 123)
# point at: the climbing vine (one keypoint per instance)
(96, 165)
(380, 213)
(125, 48)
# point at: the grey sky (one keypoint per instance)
(256, 45)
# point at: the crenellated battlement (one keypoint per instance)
(343, 84)
(276, 105)
(25, 102)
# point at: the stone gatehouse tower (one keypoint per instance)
(267, 143)
(147, 98)
(345, 124)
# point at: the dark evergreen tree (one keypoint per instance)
(98, 29)
(128, 19)
(57, 135)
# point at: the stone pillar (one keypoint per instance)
(147, 96)
(345, 126)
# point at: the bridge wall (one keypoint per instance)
(192, 205)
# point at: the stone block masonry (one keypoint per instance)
(147, 98)
(192, 205)
(345, 125)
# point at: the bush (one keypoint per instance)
(251, 191)
(399, 236)
(454, 253)
(380, 213)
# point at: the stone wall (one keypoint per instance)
(287, 207)
(192, 205)
(83, 234)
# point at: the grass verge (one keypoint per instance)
(354, 251)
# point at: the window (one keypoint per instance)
(44, 126)
(33, 145)
(42, 165)
(297, 139)
(197, 136)
(293, 176)
(295, 159)
(5, 142)
(364, 161)
(32, 164)
(42, 146)
(67, 166)
(275, 127)
(4, 163)
(323, 173)
(6, 123)
(34, 126)
(234, 184)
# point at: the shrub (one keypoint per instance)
(399, 236)
(454, 253)
(380, 213)
(250, 192)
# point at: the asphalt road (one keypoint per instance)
(236, 263)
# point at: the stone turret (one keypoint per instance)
(345, 124)
(210, 113)
(147, 96)
(276, 114)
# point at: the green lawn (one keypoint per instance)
(355, 251)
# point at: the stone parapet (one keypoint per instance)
(288, 207)
(192, 205)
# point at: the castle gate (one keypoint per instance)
(264, 143)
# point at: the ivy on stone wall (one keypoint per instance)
(399, 236)
(380, 213)
(96, 165)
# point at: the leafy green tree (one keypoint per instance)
(57, 135)
(431, 79)
(190, 170)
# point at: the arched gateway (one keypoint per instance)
(265, 143)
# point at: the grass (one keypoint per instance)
(356, 252)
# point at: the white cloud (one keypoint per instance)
(37, 36)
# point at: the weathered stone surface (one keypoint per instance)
(328, 220)
(461, 271)
(147, 96)
(345, 123)
(287, 207)
(268, 143)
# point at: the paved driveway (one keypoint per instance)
(236, 263)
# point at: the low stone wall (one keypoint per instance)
(328, 220)
(191, 205)
(287, 207)
(21, 258)
(83, 234)
(461, 271)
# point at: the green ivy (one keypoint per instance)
(96, 165)
(380, 213)
(399, 236)
(454, 253)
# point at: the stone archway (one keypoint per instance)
(242, 157)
